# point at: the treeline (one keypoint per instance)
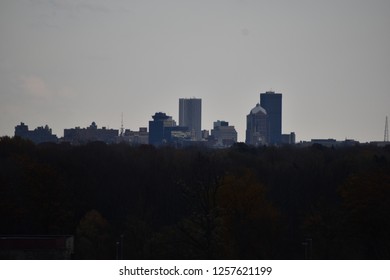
(195, 203)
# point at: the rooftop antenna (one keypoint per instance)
(386, 139)
(122, 130)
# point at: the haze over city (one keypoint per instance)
(68, 63)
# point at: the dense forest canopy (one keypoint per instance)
(196, 203)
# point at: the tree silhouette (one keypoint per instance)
(94, 240)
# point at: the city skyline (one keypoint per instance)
(66, 64)
(259, 126)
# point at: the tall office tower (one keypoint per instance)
(157, 128)
(257, 127)
(190, 115)
(272, 103)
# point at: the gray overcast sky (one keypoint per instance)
(68, 63)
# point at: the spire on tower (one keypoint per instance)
(122, 129)
(386, 139)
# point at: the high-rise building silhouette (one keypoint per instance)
(257, 127)
(272, 103)
(164, 131)
(190, 115)
(157, 127)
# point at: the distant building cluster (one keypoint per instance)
(92, 133)
(223, 134)
(263, 128)
(264, 122)
(163, 130)
(135, 137)
(329, 143)
(39, 135)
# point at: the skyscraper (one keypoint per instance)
(157, 133)
(272, 103)
(190, 115)
(257, 127)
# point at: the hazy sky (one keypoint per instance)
(68, 63)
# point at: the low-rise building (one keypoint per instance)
(223, 134)
(288, 139)
(92, 133)
(139, 137)
(39, 135)
(36, 247)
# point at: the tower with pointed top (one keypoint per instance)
(257, 127)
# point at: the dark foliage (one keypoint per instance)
(195, 203)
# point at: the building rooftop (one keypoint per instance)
(258, 109)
